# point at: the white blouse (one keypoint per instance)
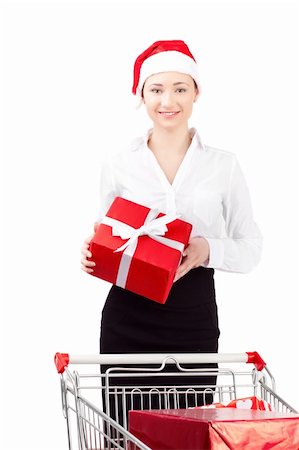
(209, 191)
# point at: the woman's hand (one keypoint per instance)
(197, 252)
(86, 253)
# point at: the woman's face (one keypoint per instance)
(169, 98)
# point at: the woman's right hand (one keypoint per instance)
(87, 265)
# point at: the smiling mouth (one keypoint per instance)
(169, 113)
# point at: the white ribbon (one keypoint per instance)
(153, 227)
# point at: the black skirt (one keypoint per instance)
(186, 323)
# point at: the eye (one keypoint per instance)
(181, 90)
(155, 90)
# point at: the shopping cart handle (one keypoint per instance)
(63, 359)
(256, 359)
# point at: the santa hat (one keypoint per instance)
(164, 56)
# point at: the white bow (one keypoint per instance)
(155, 228)
(151, 227)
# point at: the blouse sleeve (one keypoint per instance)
(107, 188)
(241, 250)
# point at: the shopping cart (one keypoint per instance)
(83, 394)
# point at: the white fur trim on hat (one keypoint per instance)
(167, 61)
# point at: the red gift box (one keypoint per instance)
(139, 248)
(215, 429)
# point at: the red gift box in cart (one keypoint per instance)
(89, 427)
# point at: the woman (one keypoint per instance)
(169, 168)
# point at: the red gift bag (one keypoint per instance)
(215, 429)
(241, 403)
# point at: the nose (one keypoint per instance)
(166, 99)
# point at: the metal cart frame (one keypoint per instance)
(95, 429)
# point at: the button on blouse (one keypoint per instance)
(209, 191)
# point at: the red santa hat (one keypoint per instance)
(164, 56)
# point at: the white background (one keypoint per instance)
(66, 101)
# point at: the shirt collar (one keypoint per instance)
(197, 139)
(142, 140)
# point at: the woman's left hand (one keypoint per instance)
(197, 252)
